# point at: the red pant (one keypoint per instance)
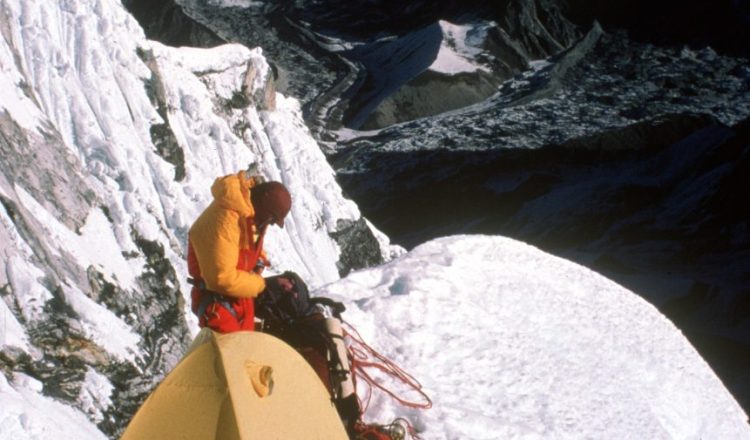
(221, 320)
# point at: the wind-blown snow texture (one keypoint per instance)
(109, 145)
(514, 343)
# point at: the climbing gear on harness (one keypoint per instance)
(209, 297)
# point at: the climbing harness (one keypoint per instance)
(209, 297)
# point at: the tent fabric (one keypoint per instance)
(238, 386)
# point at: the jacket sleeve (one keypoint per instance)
(217, 246)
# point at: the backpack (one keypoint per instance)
(313, 326)
(287, 312)
(285, 300)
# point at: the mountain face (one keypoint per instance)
(654, 203)
(621, 155)
(110, 143)
(613, 135)
(345, 62)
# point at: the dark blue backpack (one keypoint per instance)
(285, 300)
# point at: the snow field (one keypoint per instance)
(513, 343)
(29, 415)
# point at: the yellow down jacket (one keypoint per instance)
(223, 238)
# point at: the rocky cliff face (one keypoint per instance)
(166, 22)
(408, 77)
(354, 65)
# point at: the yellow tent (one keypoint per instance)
(238, 386)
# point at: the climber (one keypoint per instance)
(225, 249)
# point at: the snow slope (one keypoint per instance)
(510, 343)
(28, 415)
(459, 49)
(513, 343)
(109, 145)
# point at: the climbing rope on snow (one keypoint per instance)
(364, 359)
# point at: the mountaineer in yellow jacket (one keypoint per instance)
(225, 249)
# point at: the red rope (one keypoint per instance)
(364, 358)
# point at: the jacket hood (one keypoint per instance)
(233, 192)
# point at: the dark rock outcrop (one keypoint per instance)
(359, 248)
(431, 93)
(38, 162)
(166, 22)
(397, 85)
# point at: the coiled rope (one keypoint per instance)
(364, 359)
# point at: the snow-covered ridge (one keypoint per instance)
(513, 343)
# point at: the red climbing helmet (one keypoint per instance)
(271, 201)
